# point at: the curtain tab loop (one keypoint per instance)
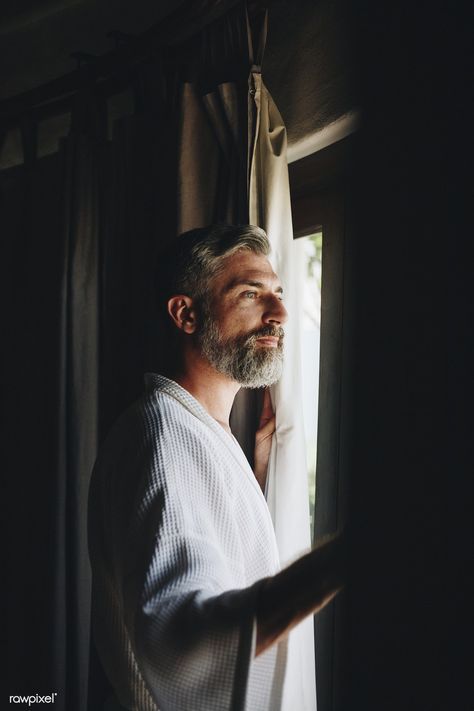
(257, 28)
(254, 79)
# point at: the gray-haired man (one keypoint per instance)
(190, 609)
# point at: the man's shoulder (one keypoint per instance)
(151, 428)
(159, 414)
(154, 410)
(159, 410)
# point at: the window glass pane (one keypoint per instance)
(308, 258)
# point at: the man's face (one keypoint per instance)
(241, 334)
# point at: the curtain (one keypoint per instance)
(51, 397)
(212, 177)
(139, 198)
(287, 487)
(30, 266)
(78, 401)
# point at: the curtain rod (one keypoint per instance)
(55, 96)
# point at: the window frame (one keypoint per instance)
(318, 195)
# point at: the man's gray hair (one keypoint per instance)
(192, 260)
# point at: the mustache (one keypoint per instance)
(275, 331)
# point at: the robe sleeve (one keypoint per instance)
(192, 631)
(194, 646)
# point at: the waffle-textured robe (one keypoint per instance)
(179, 535)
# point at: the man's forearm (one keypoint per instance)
(302, 588)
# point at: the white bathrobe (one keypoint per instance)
(179, 535)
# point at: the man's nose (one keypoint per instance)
(275, 311)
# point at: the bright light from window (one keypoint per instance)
(308, 259)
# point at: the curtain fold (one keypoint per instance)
(212, 178)
(50, 374)
(30, 209)
(78, 395)
(139, 198)
(212, 162)
(287, 486)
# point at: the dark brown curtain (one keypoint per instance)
(213, 125)
(139, 200)
(30, 278)
(81, 231)
(78, 401)
(52, 406)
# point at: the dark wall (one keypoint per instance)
(308, 64)
(411, 523)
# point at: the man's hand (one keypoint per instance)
(303, 588)
(263, 440)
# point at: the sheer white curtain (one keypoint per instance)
(287, 492)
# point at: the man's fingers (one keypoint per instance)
(266, 430)
(267, 409)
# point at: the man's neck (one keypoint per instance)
(214, 391)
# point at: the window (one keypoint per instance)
(308, 263)
(320, 215)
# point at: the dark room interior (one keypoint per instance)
(115, 136)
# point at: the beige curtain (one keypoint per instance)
(287, 488)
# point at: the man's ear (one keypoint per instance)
(182, 311)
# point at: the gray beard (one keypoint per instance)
(240, 358)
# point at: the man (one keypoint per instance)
(190, 610)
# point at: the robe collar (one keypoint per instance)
(155, 381)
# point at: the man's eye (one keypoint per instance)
(250, 294)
